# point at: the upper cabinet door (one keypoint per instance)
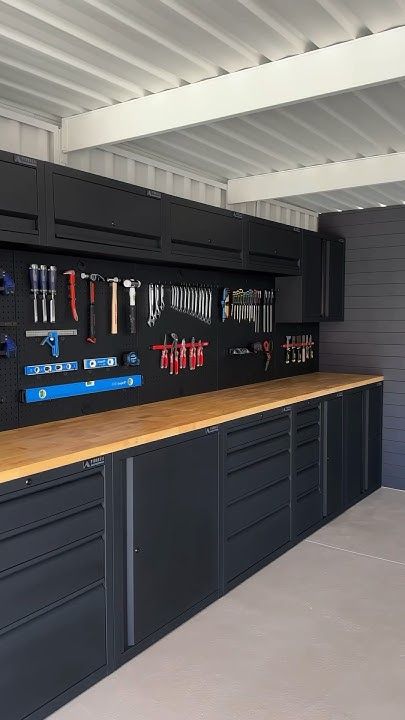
(202, 235)
(271, 247)
(20, 205)
(334, 280)
(312, 277)
(89, 213)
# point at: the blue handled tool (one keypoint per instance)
(7, 285)
(8, 348)
(52, 339)
(56, 392)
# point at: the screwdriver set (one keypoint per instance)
(252, 306)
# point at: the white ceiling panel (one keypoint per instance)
(61, 58)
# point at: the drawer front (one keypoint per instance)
(50, 499)
(308, 416)
(307, 454)
(197, 233)
(250, 509)
(255, 453)
(29, 589)
(35, 542)
(256, 542)
(255, 433)
(308, 511)
(308, 433)
(46, 656)
(92, 212)
(307, 480)
(256, 476)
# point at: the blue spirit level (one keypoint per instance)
(51, 368)
(56, 392)
(101, 362)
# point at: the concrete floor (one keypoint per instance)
(317, 635)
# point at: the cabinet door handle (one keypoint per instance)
(137, 550)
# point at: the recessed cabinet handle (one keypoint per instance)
(28, 481)
(137, 550)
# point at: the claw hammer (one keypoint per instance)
(114, 304)
(92, 278)
(132, 285)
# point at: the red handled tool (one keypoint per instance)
(71, 275)
(183, 355)
(174, 355)
(164, 358)
(200, 354)
(192, 358)
(92, 278)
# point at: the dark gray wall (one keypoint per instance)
(372, 337)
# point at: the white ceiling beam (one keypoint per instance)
(319, 178)
(361, 63)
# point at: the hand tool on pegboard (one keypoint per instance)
(174, 355)
(34, 282)
(156, 297)
(99, 363)
(51, 368)
(71, 276)
(43, 289)
(183, 354)
(225, 304)
(196, 353)
(8, 347)
(287, 349)
(192, 300)
(268, 350)
(164, 358)
(311, 348)
(130, 359)
(113, 282)
(92, 278)
(57, 392)
(192, 357)
(52, 271)
(51, 338)
(7, 285)
(132, 285)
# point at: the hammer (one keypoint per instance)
(131, 285)
(92, 278)
(114, 304)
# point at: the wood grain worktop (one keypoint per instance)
(30, 450)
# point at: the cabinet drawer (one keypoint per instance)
(308, 416)
(256, 542)
(252, 508)
(91, 212)
(33, 543)
(257, 432)
(307, 454)
(50, 499)
(307, 433)
(46, 656)
(32, 588)
(308, 511)
(201, 234)
(307, 480)
(254, 453)
(251, 478)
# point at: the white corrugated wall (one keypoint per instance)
(22, 134)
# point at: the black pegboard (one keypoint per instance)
(220, 369)
(8, 367)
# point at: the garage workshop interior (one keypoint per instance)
(202, 359)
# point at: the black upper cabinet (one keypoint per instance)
(317, 295)
(93, 214)
(272, 247)
(21, 199)
(198, 234)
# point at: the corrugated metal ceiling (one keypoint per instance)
(60, 58)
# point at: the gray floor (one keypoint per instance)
(317, 635)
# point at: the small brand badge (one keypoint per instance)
(93, 462)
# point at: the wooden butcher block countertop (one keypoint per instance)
(30, 450)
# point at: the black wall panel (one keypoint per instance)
(372, 337)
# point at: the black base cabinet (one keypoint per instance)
(166, 520)
(55, 572)
(101, 559)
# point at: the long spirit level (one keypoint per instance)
(56, 392)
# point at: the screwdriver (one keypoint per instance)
(33, 271)
(43, 283)
(52, 291)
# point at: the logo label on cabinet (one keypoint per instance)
(24, 160)
(93, 462)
